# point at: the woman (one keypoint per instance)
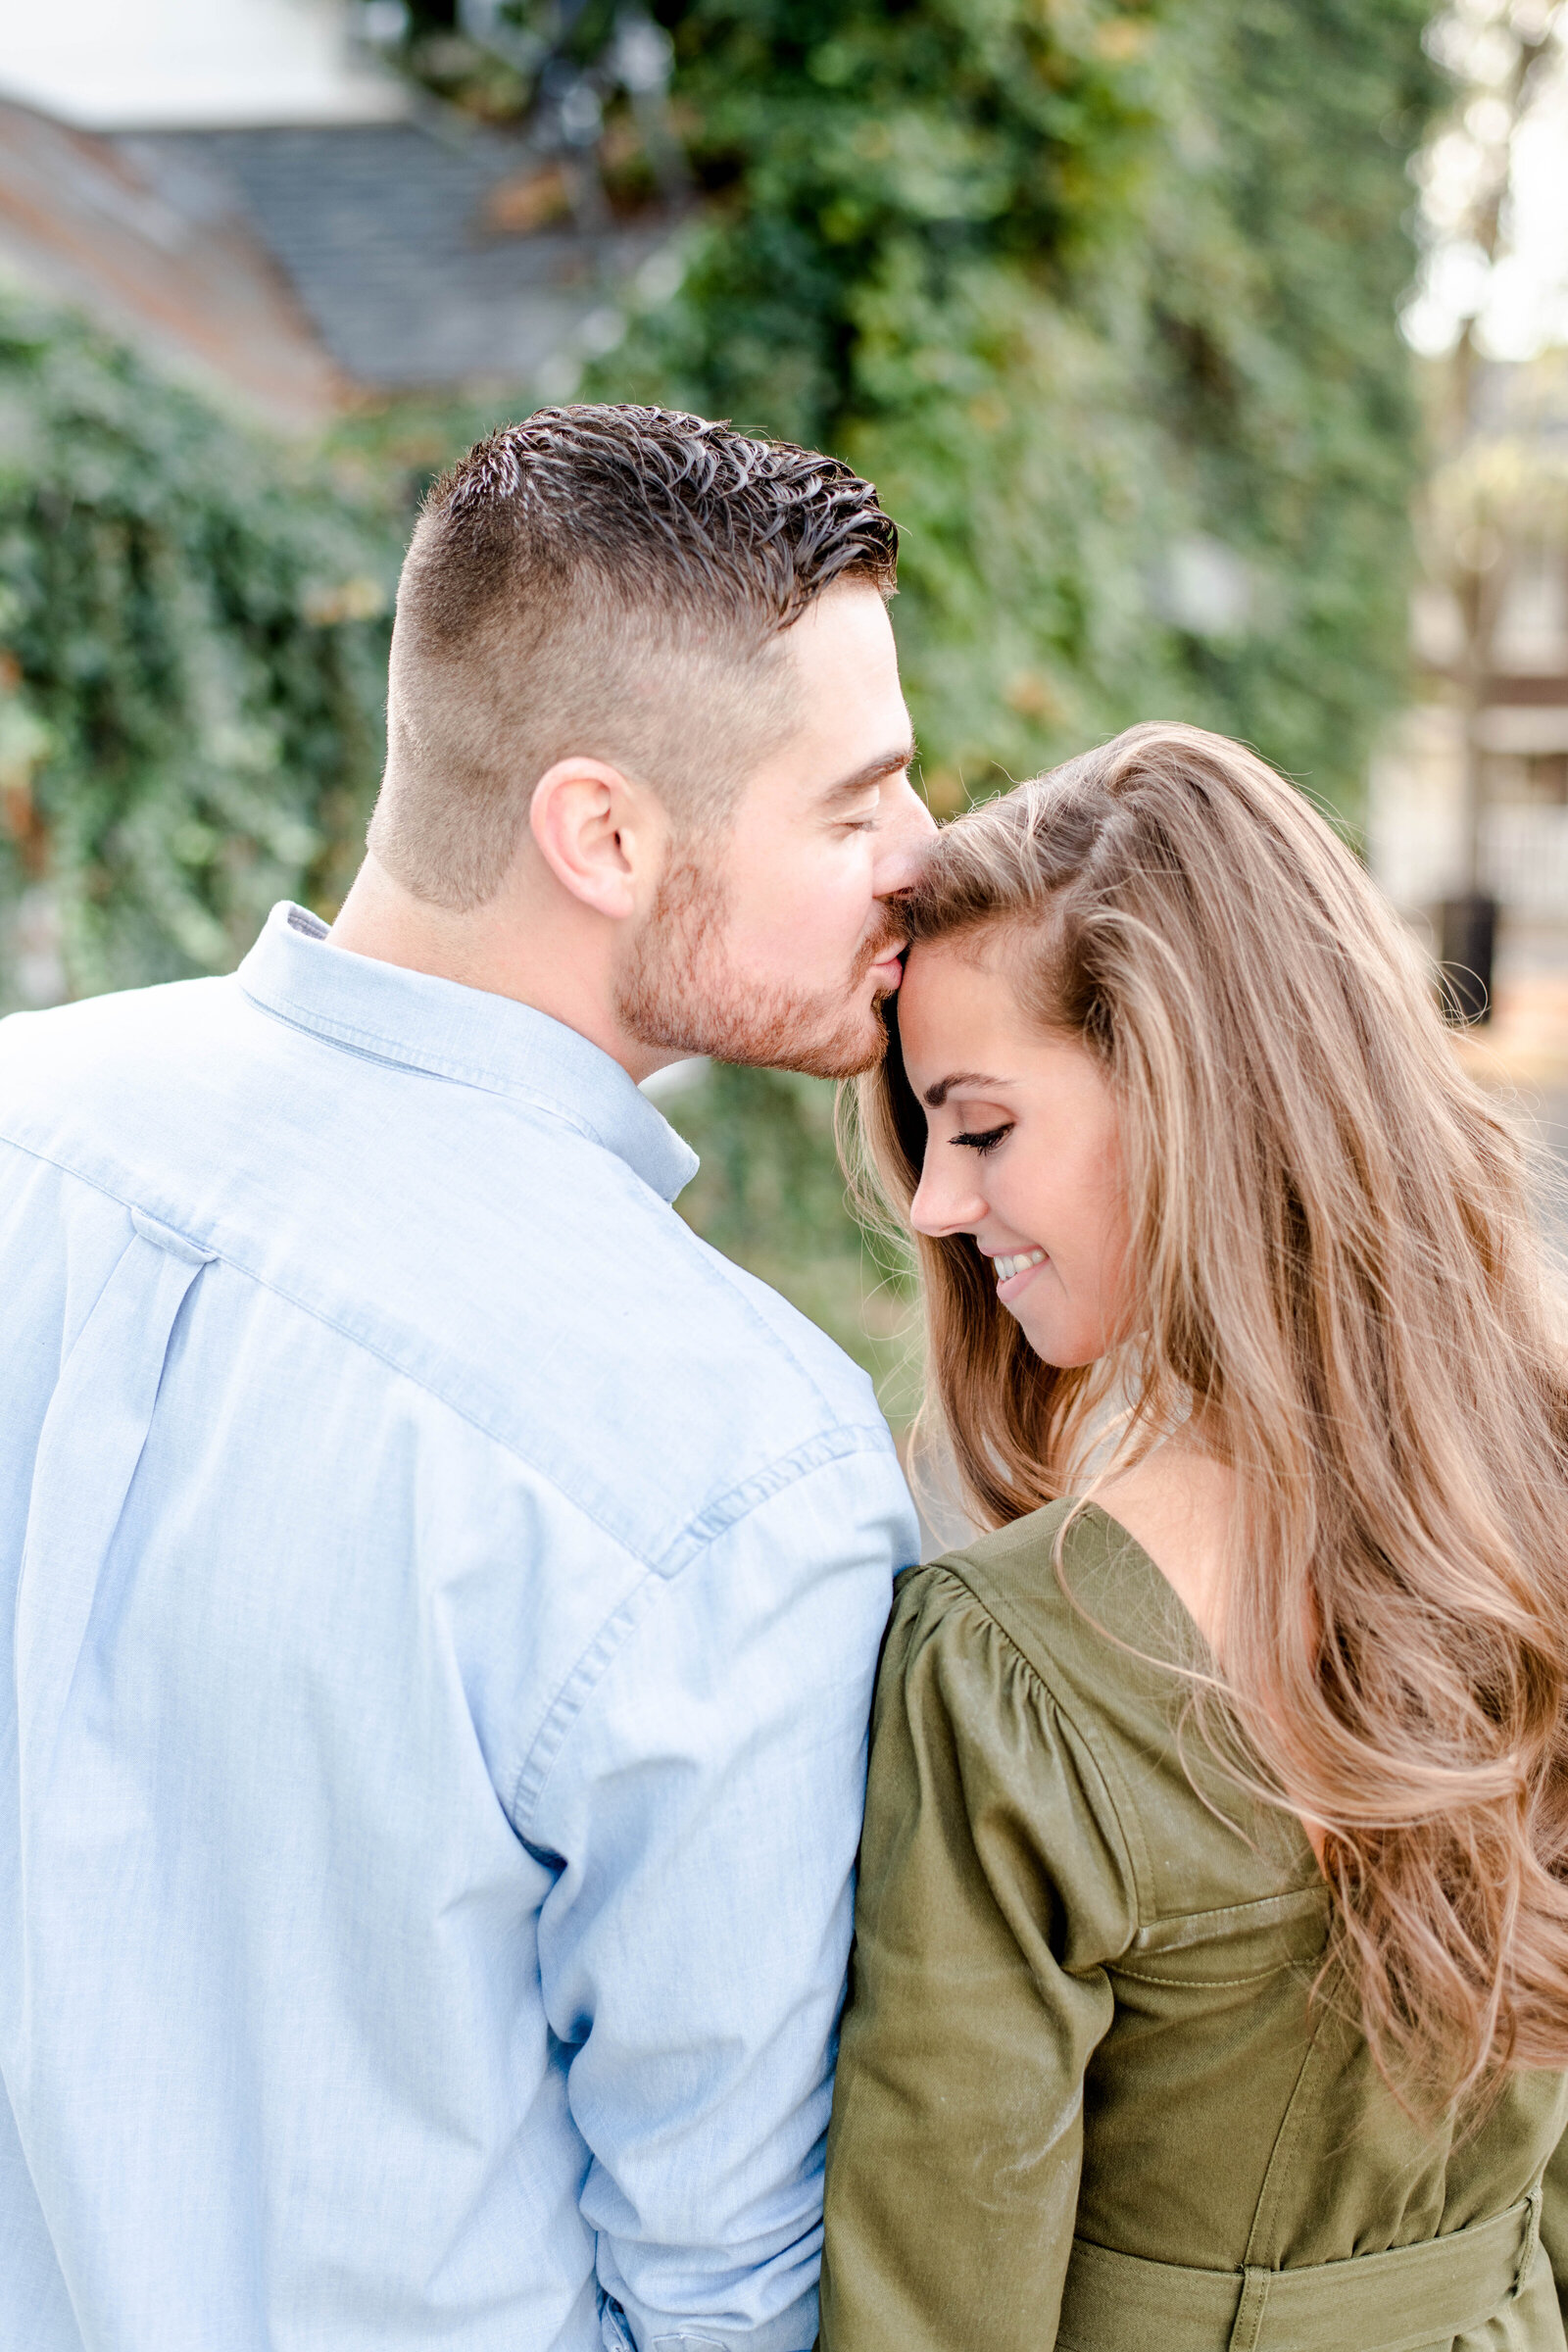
(1211, 1976)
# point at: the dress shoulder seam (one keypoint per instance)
(1129, 1836)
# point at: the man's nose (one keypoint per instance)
(906, 836)
(946, 1202)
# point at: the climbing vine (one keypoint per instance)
(193, 627)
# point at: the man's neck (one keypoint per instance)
(537, 955)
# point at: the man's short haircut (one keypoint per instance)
(611, 582)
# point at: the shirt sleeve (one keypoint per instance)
(704, 1812)
(994, 1888)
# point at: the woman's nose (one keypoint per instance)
(946, 1202)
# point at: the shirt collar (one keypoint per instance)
(423, 1023)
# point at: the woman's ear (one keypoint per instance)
(602, 835)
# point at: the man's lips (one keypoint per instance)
(887, 962)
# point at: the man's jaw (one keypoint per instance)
(684, 995)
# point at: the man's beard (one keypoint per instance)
(683, 995)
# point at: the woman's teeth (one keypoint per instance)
(1006, 1268)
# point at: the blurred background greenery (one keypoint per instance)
(1102, 295)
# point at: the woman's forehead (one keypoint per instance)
(959, 1008)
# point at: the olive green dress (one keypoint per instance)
(1084, 2097)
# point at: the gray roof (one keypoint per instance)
(189, 281)
(380, 229)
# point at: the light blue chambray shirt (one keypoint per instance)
(441, 1598)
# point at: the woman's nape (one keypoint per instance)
(1301, 1252)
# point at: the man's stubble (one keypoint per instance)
(682, 994)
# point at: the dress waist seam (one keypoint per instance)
(1394, 2302)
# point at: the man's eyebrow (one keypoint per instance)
(888, 764)
(935, 1096)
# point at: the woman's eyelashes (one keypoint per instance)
(984, 1139)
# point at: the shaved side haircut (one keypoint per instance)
(611, 583)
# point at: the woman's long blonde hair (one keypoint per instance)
(1338, 1275)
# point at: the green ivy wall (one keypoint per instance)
(1102, 296)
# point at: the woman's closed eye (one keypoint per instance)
(984, 1139)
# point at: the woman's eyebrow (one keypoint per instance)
(935, 1096)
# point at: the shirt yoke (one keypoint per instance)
(508, 1263)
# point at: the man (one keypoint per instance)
(445, 1593)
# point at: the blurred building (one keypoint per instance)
(243, 188)
(1490, 631)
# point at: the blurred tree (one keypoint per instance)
(1494, 504)
(1102, 297)
(1101, 292)
(192, 662)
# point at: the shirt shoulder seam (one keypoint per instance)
(350, 1339)
(695, 1536)
(696, 1539)
(504, 1444)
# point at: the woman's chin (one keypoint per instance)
(1063, 1350)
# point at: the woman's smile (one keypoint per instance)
(1013, 1273)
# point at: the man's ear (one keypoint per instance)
(602, 835)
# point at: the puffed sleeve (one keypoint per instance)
(994, 1887)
